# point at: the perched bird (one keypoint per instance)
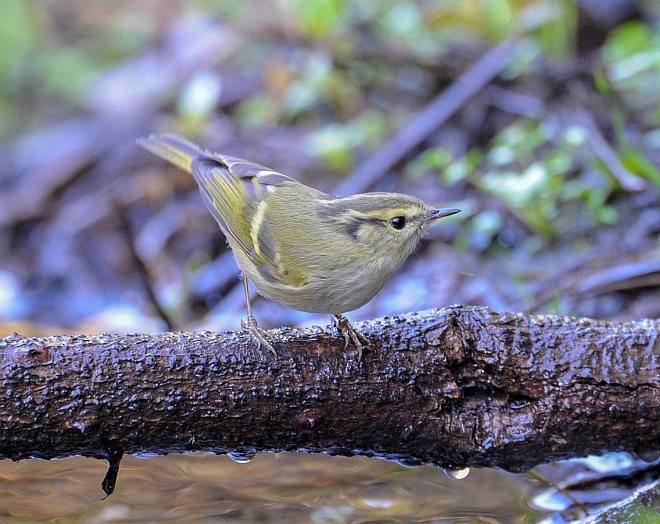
(299, 246)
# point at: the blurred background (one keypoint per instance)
(554, 160)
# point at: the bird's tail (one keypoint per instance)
(173, 148)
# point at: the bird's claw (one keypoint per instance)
(350, 334)
(260, 336)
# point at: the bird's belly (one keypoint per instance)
(342, 288)
(332, 294)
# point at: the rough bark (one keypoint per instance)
(454, 387)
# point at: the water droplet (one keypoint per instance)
(378, 503)
(240, 458)
(146, 455)
(80, 426)
(456, 474)
(609, 462)
(404, 461)
(648, 455)
(550, 500)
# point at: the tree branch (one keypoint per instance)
(455, 387)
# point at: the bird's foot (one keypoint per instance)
(350, 334)
(260, 336)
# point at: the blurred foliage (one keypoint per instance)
(318, 18)
(47, 63)
(631, 69)
(414, 34)
(335, 143)
(631, 57)
(50, 74)
(530, 168)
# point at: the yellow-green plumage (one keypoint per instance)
(299, 246)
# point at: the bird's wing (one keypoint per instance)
(236, 193)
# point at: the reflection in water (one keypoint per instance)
(287, 487)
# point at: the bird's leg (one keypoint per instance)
(350, 334)
(258, 334)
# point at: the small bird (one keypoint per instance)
(299, 246)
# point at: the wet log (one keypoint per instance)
(462, 386)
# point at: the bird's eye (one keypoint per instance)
(398, 222)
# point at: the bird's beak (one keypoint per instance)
(435, 214)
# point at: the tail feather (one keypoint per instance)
(172, 148)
